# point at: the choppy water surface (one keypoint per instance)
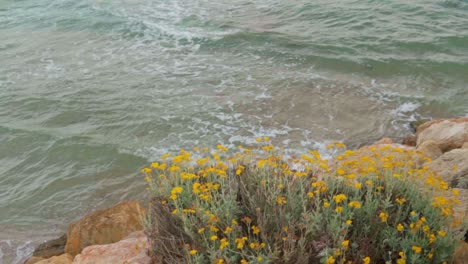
(91, 90)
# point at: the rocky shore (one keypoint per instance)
(115, 235)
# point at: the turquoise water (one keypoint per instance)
(92, 90)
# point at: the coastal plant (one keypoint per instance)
(258, 205)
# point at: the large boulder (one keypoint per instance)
(430, 149)
(421, 126)
(62, 259)
(104, 226)
(448, 134)
(452, 166)
(129, 250)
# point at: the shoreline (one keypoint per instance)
(49, 235)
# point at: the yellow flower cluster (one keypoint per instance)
(264, 191)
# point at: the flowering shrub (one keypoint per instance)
(256, 206)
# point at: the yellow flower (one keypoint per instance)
(243, 261)
(442, 233)
(340, 171)
(240, 242)
(146, 170)
(345, 243)
(310, 194)
(193, 252)
(227, 230)
(400, 228)
(366, 260)
(400, 200)
(355, 204)
(416, 249)
(402, 259)
(339, 209)
(326, 204)
(214, 237)
(339, 198)
(383, 217)
(349, 222)
(255, 230)
(281, 200)
(258, 139)
(224, 243)
(260, 259)
(357, 185)
(220, 261)
(331, 260)
(201, 230)
(432, 238)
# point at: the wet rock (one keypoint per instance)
(415, 124)
(51, 248)
(410, 141)
(452, 166)
(448, 134)
(62, 259)
(129, 250)
(430, 149)
(104, 226)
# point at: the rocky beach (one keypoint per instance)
(116, 234)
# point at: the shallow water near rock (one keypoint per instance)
(91, 91)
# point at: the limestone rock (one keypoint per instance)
(460, 256)
(465, 145)
(129, 250)
(104, 226)
(452, 166)
(448, 134)
(421, 127)
(34, 260)
(51, 248)
(62, 259)
(430, 149)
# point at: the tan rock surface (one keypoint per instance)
(385, 141)
(447, 134)
(425, 125)
(460, 256)
(33, 260)
(131, 250)
(62, 259)
(104, 226)
(452, 166)
(430, 149)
